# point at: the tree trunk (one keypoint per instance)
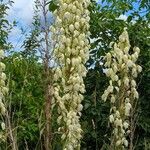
(48, 135)
(11, 136)
(48, 84)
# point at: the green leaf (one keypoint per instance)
(53, 6)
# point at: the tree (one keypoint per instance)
(39, 43)
(106, 27)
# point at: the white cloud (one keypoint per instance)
(22, 10)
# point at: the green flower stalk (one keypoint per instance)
(3, 92)
(70, 34)
(121, 69)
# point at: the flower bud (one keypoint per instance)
(111, 118)
(1, 53)
(3, 126)
(71, 28)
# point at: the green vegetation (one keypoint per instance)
(25, 118)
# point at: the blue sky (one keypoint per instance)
(22, 13)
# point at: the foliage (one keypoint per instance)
(32, 41)
(25, 78)
(25, 100)
(5, 26)
(106, 27)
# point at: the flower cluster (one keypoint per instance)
(70, 35)
(122, 70)
(3, 92)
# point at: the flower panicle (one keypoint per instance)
(3, 92)
(122, 70)
(70, 34)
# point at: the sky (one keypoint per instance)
(22, 12)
